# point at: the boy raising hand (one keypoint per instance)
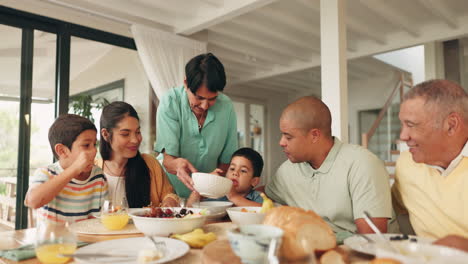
(73, 187)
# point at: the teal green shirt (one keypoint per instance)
(177, 133)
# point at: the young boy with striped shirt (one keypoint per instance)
(73, 187)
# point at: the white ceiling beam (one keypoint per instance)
(392, 16)
(214, 3)
(293, 21)
(251, 67)
(440, 9)
(254, 51)
(281, 70)
(118, 11)
(230, 10)
(287, 81)
(291, 35)
(276, 86)
(234, 56)
(355, 27)
(254, 39)
(270, 88)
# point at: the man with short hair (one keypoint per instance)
(431, 181)
(196, 127)
(338, 181)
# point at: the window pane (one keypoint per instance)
(257, 128)
(101, 73)
(239, 108)
(43, 105)
(10, 64)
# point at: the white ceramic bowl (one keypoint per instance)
(166, 226)
(210, 185)
(251, 242)
(215, 207)
(253, 216)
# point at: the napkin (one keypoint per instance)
(341, 236)
(24, 252)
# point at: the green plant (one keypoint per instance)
(83, 104)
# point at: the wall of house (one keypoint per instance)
(121, 63)
(275, 103)
(368, 94)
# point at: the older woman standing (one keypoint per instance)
(138, 177)
(196, 124)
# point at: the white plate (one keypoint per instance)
(95, 227)
(360, 244)
(216, 216)
(131, 246)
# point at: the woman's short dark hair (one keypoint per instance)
(205, 69)
(254, 157)
(66, 128)
(137, 177)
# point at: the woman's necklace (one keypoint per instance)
(113, 173)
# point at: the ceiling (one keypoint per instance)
(273, 44)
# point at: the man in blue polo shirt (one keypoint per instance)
(196, 127)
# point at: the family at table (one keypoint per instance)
(196, 132)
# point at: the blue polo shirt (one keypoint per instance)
(177, 133)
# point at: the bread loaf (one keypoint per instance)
(304, 232)
(384, 261)
(335, 256)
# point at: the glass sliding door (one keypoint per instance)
(10, 64)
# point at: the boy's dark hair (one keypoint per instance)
(254, 157)
(66, 128)
(205, 69)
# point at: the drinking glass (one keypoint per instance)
(114, 214)
(52, 240)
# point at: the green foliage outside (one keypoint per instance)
(83, 104)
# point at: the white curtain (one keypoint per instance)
(164, 56)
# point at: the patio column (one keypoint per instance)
(333, 61)
(434, 60)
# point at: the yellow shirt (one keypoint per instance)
(160, 188)
(437, 205)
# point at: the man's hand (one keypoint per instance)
(454, 241)
(183, 170)
(84, 162)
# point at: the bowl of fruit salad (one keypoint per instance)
(246, 215)
(164, 221)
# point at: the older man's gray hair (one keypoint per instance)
(443, 97)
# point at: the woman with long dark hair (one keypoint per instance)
(138, 177)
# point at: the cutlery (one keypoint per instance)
(272, 258)
(374, 228)
(95, 255)
(366, 238)
(160, 246)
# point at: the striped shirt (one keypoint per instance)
(77, 200)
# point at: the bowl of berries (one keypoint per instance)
(164, 221)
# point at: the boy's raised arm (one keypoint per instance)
(42, 194)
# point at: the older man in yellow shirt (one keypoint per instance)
(431, 182)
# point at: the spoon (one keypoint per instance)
(374, 228)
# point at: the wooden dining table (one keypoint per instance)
(14, 239)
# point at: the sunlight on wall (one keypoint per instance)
(409, 59)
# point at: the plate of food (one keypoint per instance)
(421, 253)
(95, 227)
(360, 244)
(132, 250)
